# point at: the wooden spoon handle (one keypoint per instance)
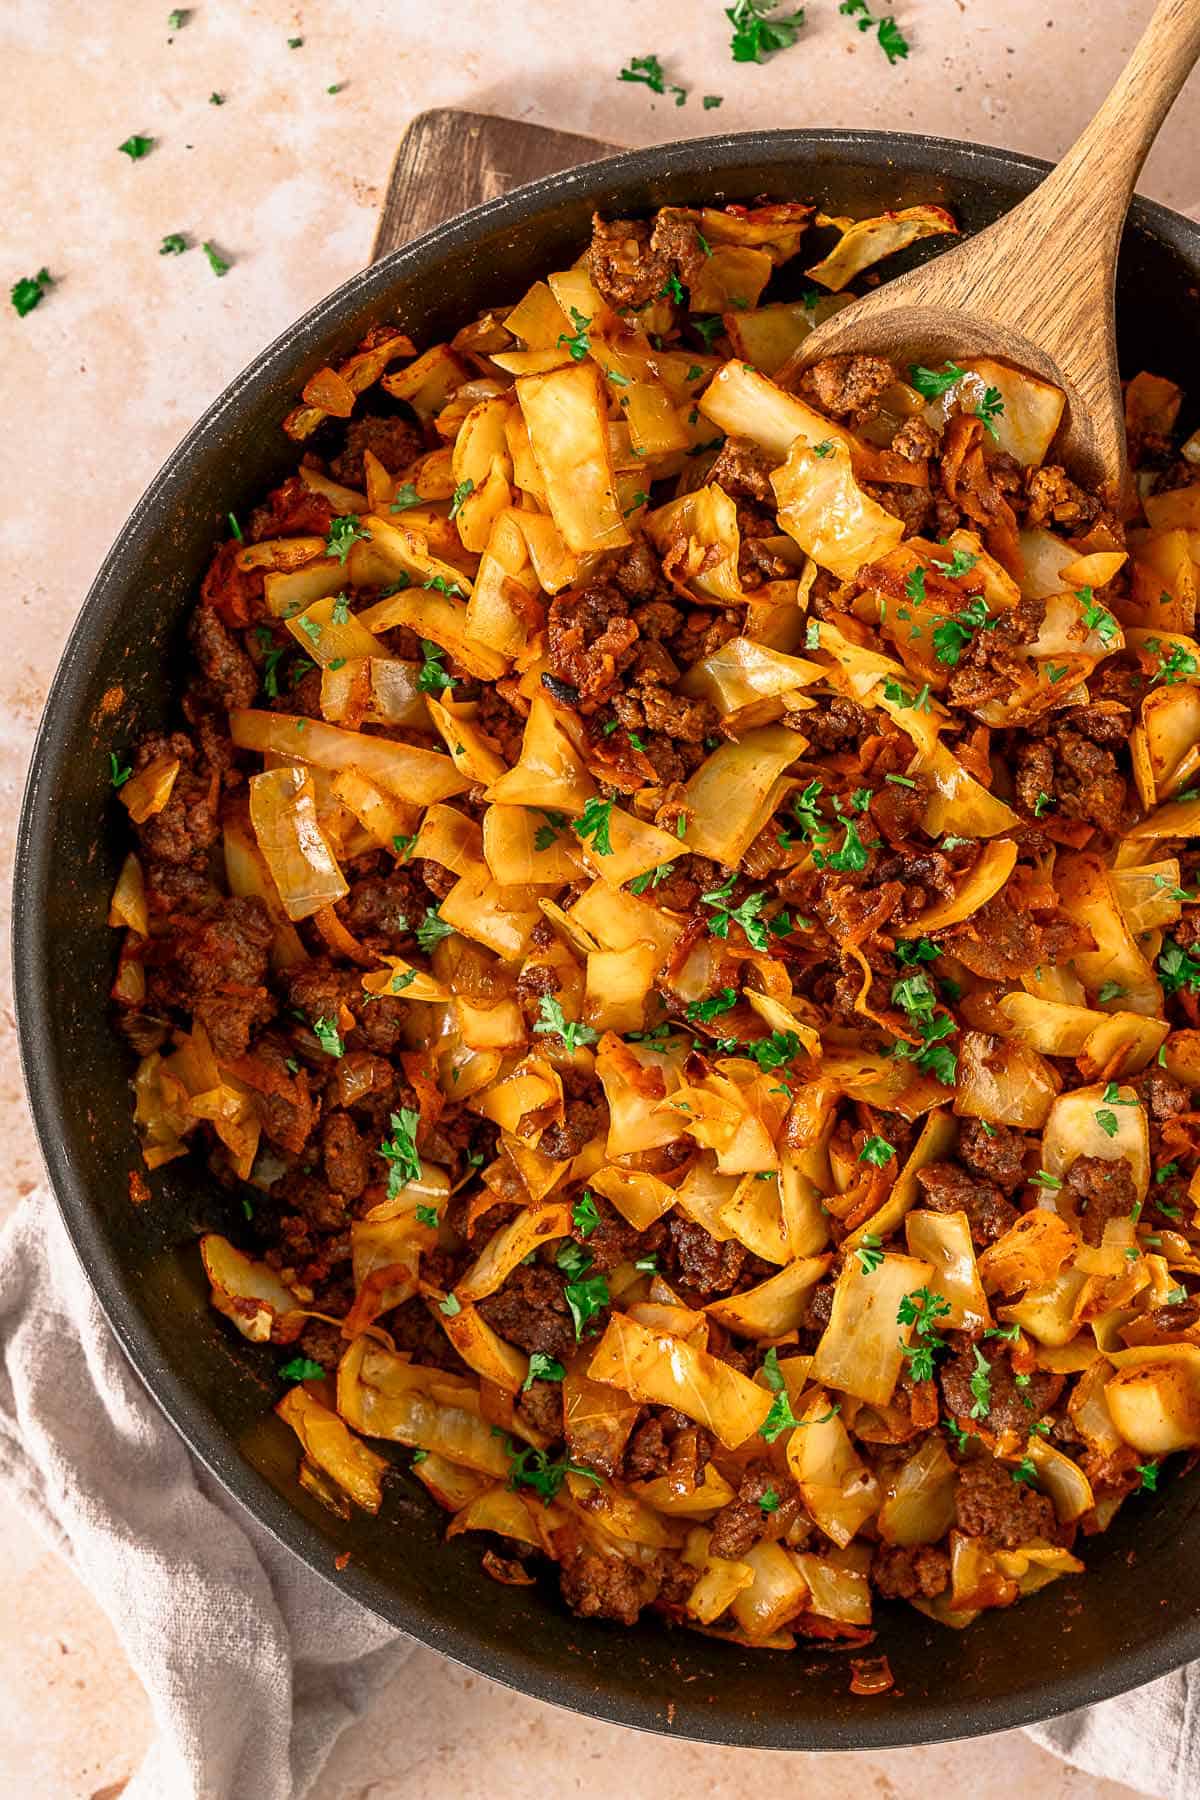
(1100, 170)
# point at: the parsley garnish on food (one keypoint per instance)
(745, 915)
(932, 383)
(708, 328)
(344, 533)
(781, 1417)
(951, 636)
(532, 1468)
(578, 345)
(921, 1309)
(1173, 664)
(1025, 1470)
(406, 496)
(400, 1151)
(432, 929)
(878, 1151)
(302, 1368)
(594, 822)
(542, 1368)
(915, 995)
(649, 71)
(329, 1037)
(399, 981)
(440, 585)
(853, 855)
(547, 834)
(672, 290)
(27, 293)
(914, 585)
(869, 1253)
(824, 449)
(552, 1019)
(652, 877)
(890, 38)
(311, 630)
(174, 244)
(586, 1298)
(981, 1385)
(961, 563)
(136, 147)
(701, 1011)
(427, 1216)
(433, 677)
(1045, 1180)
(1149, 1475)
(1041, 803)
(813, 827)
(461, 493)
(1107, 1121)
(759, 33)
(216, 261)
(916, 950)
(119, 776)
(584, 1214)
(774, 1051)
(451, 1305)
(1097, 618)
(989, 410)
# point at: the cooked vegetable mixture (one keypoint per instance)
(672, 913)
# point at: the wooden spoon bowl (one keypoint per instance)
(1035, 289)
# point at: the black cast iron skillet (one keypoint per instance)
(1134, 1616)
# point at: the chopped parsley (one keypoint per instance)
(876, 1151)
(1044, 1179)
(824, 449)
(989, 410)
(532, 1468)
(403, 845)
(584, 1214)
(542, 1368)
(759, 33)
(1149, 1475)
(406, 496)
(400, 1153)
(773, 1052)
(326, 1032)
(921, 1309)
(746, 915)
(552, 1020)
(672, 289)
(961, 563)
(711, 100)
(461, 493)
(547, 834)
(932, 383)
(888, 35)
(136, 147)
(914, 585)
(216, 261)
(1041, 803)
(812, 827)
(1107, 1121)
(433, 677)
(853, 855)
(1026, 1470)
(432, 929)
(344, 533)
(769, 1501)
(981, 1385)
(869, 1253)
(594, 822)
(652, 877)
(174, 244)
(216, 99)
(302, 1368)
(1009, 1333)
(118, 775)
(311, 630)
(578, 343)
(586, 1298)
(440, 585)
(916, 950)
(701, 1011)
(649, 71)
(427, 1216)
(1097, 618)
(707, 328)
(400, 981)
(28, 292)
(915, 995)
(639, 499)
(951, 636)
(781, 1417)
(1173, 664)
(176, 19)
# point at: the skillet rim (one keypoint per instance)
(924, 1721)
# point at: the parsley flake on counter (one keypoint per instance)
(29, 291)
(174, 244)
(758, 32)
(216, 261)
(215, 99)
(650, 73)
(399, 1151)
(328, 1036)
(552, 1020)
(711, 100)
(136, 147)
(178, 19)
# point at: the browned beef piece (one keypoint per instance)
(657, 620)
(690, 877)
(613, 1240)
(502, 722)
(1002, 944)
(1160, 1093)
(947, 1188)
(318, 990)
(914, 505)
(323, 1342)
(394, 441)
(585, 1113)
(904, 1572)
(413, 1327)
(989, 664)
(226, 667)
(744, 471)
(437, 879)
(1081, 777)
(627, 271)
(536, 980)
(1009, 1406)
(347, 1167)
(1053, 500)
(667, 1443)
(923, 874)
(381, 909)
(654, 707)
(638, 573)
(597, 1586)
(213, 965)
(281, 1092)
(898, 810)
(542, 1406)
(1004, 1512)
(915, 441)
(182, 834)
(743, 1522)
(309, 1197)
(1101, 1191)
(675, 236)
(590, 639)
(531, 1310)
(847, 386)
(837, 724)
(703, 1264)
(993, 1152)
(819, 1308)
(290, 510)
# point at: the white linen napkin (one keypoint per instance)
(253, 1665)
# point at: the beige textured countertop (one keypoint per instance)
(104, 377)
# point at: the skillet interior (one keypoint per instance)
(1137, 1612)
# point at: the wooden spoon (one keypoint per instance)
(1036, 289)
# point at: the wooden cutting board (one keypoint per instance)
(449, 161)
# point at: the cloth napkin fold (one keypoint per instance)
(252, 1664)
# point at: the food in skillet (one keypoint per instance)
(671, 910)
